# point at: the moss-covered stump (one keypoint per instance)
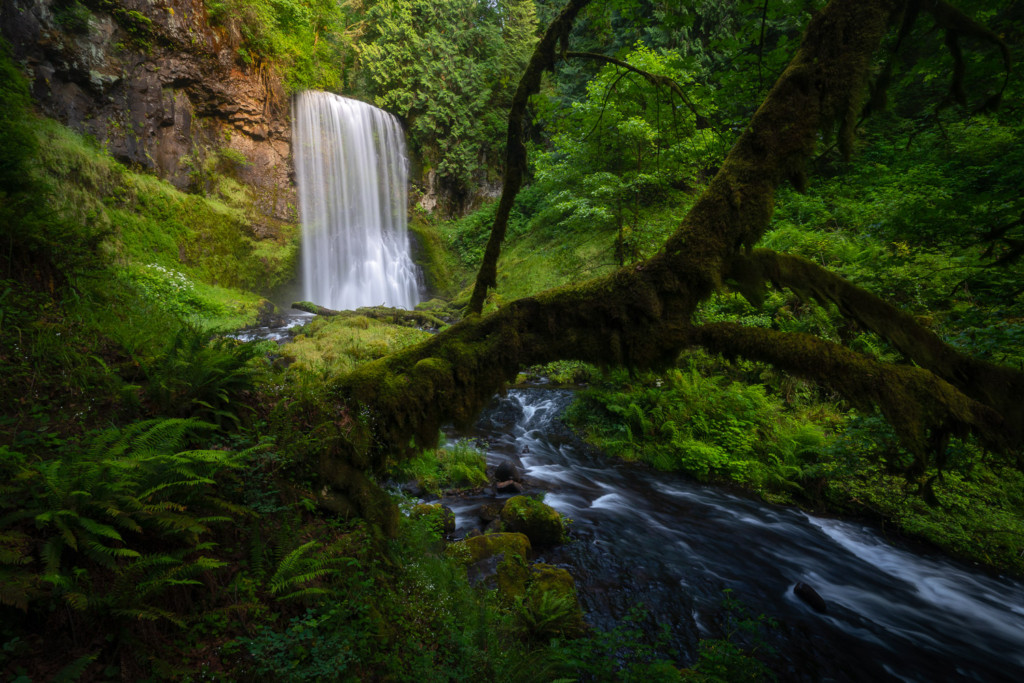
(441, 517)
(540, 522)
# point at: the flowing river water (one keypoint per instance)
(657, 539)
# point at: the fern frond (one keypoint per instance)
(150, 613)
(77, 600)
(16, 586)
(99, 529)
(74, 670)
(297, 568)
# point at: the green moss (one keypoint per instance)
(442, 519)
(430, 255)
(476, 548)
(334, 346)
(150, 223)
(539, 522)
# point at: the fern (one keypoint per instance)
(546, 614)
(75, 670)
(200, 376)
(95, 506)
(298, 569)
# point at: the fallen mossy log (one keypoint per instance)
(395, 316)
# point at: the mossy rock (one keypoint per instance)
(548, 606)
(477, 548)
(540, 522)
(441, 516)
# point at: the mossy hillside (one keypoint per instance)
(548, 245)
(151, 226)
(443, 275)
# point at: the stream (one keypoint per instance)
(658, 539)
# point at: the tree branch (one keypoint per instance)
(996, 386)
(638, 316)
(653, 79)
(923, 409)
(543, 59)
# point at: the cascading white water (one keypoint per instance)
(352, 175)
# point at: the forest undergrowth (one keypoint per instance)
(163, 508)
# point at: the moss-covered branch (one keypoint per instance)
(396, 316)
(925, 410)
(996, 386)
(640, 316)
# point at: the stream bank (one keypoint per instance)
(681, 550)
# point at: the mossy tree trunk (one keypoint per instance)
(640, 316)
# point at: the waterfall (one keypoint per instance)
(352, 174)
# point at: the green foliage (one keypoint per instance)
(973, 508)
(709, 427)
(451, 465)
(623, 148)
(73, 16)
(311, 40)
(318, 645)
(450, 68)
(200, 376)
(169, 290)
(546, 615)
(623, 654)
(97, 504)
(733, 657)
(297, 569)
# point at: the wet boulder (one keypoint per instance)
(496, 560)
(810, 597)
(507, 471)
(489, 511)
(479, 548)
(539, 522)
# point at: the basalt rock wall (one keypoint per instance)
(160, 87)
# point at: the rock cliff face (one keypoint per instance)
(160, 87)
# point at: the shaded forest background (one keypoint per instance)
(178, 504)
